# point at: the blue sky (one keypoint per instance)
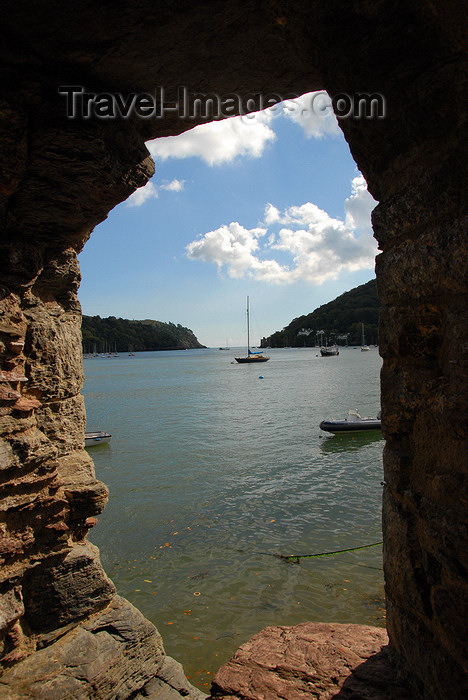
(270, 206)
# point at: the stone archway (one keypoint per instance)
(60, 178)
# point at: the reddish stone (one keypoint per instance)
(8, 394)
(59, 526)
(12, 376)
(25, 405)
(313, 659)
(16, 346)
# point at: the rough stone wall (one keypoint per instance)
(415, 162)
(424, 342)
(59, 178)
(58, 187)
(55, 598)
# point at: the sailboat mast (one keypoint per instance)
(248, 327)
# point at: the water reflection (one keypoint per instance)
(350, 443)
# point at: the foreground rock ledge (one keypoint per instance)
(311, 660)
(114, 654)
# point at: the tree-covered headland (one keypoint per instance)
(121, 335)
(340, 320)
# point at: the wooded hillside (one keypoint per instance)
(340, 320)
(122, 335)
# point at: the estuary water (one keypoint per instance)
(214, 468)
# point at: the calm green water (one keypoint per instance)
(212, 470)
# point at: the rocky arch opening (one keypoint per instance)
(240, 178)
(166, 603)
(62, 176)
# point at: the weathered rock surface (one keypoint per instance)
(170, 684)
(65, 588)
(111, 655)
(312, 660)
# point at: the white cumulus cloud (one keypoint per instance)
(247, 135)
(313, 113)
(217, 142)
(272, 214)
(150, 191)
(173, 186)
(317, 246)
(359, 205)
(142, 194)
(232, 246)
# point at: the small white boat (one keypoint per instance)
(98, 437)
(354, 423)
(364, 347)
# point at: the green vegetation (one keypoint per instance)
(340, 320)
(121, 335)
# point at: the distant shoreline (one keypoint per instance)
(119, 335)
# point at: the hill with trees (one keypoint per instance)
(340, 320)
(122, 335)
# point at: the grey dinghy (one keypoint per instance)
(96, 438)
(354, 423)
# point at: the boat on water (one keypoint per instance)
(354, 423)
(98, 437)
(329, 351)
(364, 347)
(251, 357)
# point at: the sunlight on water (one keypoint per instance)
(213, 471)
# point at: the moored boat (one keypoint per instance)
(329, 351)
(251, 357)
(364, 346)
(354, 423)
(97, 437)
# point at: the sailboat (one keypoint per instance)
(251, 356)
(364, 347)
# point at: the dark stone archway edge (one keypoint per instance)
(312, 660)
